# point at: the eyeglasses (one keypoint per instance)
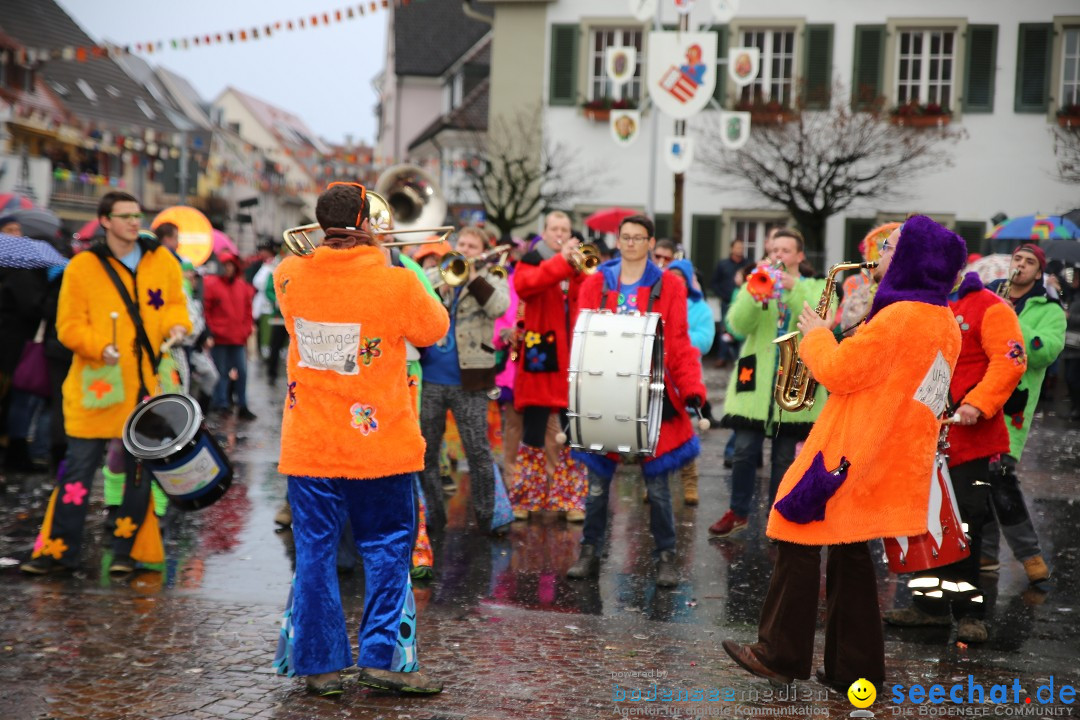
(633, 239)
(363, 198)
(662, 259)
(137, 217)
(885, 247)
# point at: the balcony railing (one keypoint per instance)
(76, 194)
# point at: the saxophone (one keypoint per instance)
(795, 385)
(1006, 287)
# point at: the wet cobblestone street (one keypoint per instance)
(499, 624)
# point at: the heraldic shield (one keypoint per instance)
(681, 72)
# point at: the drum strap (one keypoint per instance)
(142, 342)
(654, 294)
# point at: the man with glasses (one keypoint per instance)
(633, 284)
(118, 303)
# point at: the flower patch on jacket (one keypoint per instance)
(746, 377)
(541, 352)
(363, 418)
(292, 394)
(1016, 353)
(369, 350)
(155, 300)
(102, 387)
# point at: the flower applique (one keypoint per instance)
(73, 493)
(363, 418)
(370, 350)
(54, 548)
(155, 300)
(292, 394)
(536, 358)
(125, 527)
(532, 338)
(1016, 353)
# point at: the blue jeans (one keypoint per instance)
(748, 444)
(227, 357)
(661, 515)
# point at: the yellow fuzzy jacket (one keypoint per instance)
(349, 412)
(93, 407)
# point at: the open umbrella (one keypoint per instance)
(14, 201)
(608, 219)
(22, 252)
(1036, 228)
(991, 267)
(90, 230)
(222, 243)
(1067, 251)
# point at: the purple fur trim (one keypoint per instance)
(806, 501)
(673, 459)
(970, 284)
(601, 465)
(924, 265)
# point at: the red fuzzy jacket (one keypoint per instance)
(227, 305)
(991, 363)
(682, 362)
(544, 361)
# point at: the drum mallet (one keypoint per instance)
(114, 315)
(695, 414)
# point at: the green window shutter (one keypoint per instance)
(562, 89)
(705, 249)
(663, 225)
(869, 66)
(817, 67)
(721, 70)
(980, 68)
(855, 230)
(1033, 68)
(974, 234)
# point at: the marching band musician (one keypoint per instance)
(633, 283)
(349, 438)
(545, 476)
(991, 363)
(863, 473)
(459, 371)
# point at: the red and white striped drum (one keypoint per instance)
(944, 542)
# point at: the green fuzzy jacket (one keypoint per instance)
(1043, 323)
(749, 402)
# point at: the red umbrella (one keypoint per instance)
(88, 230)
(14, 201)
(608, 219)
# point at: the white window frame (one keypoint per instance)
(753, 231)
(765, 80)
(1069, 90)
(926, 89)
(86, 90)
(598, 85)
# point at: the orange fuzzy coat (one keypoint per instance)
(875, 420)
(349, 412)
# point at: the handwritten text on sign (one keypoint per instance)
(328, 346)
(933, 392)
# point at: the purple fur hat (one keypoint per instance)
(924, 265)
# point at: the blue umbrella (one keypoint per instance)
(1036, 228)
(22, 252)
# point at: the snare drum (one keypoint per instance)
(167, 434)
(616, 383)
(944, 542)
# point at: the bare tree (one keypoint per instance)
(519, 172)
(821, 162)
(1067, 151)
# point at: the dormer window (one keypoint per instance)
(86, 90)
(147, 110)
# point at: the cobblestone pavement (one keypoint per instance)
(499, 624)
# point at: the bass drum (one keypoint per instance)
(167, 434)
(944, 542)
(616, 383)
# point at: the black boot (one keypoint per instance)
(587, 565)
(667, 575)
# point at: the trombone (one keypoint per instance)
(380, 219)
(453, 268)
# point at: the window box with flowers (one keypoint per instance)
(918, 115)
(1069, 117)
(767, 112)
(599, 110)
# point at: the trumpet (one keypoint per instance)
(453, 268)
(586, 259)
(302, 240)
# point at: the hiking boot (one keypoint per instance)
(689, 474)
(1036, 569)
(988, 564)
(575, 516)
(971, 630)
(728, 525)
(400, 682)
(587, 565)
(284, 515)
(325, 685)
(914, 617)
(667, 575)
(245, 414)
(121, 565)
(43, 565)
(748, 660)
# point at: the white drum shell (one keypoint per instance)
(616, 383)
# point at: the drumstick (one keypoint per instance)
(695, 413)
(114, 315)
(560, 437)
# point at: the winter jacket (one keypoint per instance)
(349, 412)
(507, 321)
(749, 401)
(678, 443)
(550, 311)
(1042, 321)
(887, 384)
(990, 364)
(698, 314)
(227, 305)
(478, 304)
(98, 398)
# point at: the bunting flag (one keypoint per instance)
(32, 56)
